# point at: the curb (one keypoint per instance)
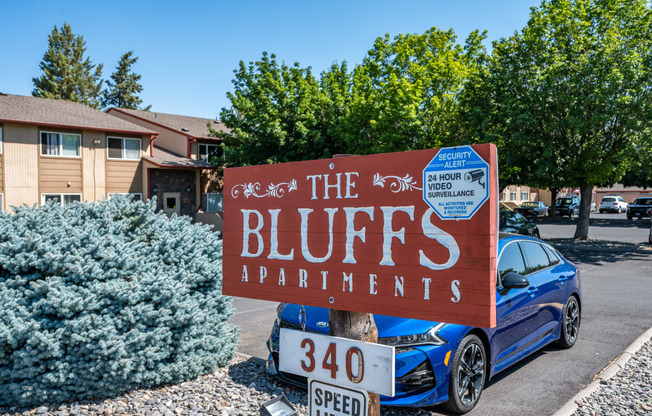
(247, 357)
(571, 406)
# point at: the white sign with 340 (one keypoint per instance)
(344, 362)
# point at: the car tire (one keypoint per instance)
(570, 323)
(468, 374)
(601, 211)
(536, 234)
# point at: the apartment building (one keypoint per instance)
(184, 153)
(65, 151)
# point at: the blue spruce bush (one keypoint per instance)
(98, 299)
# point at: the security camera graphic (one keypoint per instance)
(475, 175)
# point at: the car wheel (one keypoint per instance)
(467, 375)
(601, 211)
(570, 323)
(536, 234)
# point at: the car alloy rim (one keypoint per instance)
(572, 320)
(470, 374)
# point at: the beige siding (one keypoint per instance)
(167, 139)
(126, 176)
(93, 165)
(2, 175)
(21, 157)
(60, 175)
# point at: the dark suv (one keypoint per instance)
(640, 208)
(566, 205)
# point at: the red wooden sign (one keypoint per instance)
(409, 234)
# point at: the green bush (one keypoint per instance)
(97, 299)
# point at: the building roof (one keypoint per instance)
(166, 159)
(194, 127)
(60, 113)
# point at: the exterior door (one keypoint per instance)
(171, 203)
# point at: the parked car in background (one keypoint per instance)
(532, 209)
(613, 204)
(538, 301)
(513, 222)
(640, 208)
(567, 206)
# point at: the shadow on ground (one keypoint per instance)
(600, 251)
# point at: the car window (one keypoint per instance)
(608, 199)
(564, 201)
(552, 256)
(535, 256)
(511, 260)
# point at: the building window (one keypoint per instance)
(208, 151)
(525, 196)
(512, 196)
(212, 202)
(134, 197)
(505, 196)
(62, 199)
(122, 148)
(60, 144)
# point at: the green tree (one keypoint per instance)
(405, 94)
(123, 87)
(67, 74)
(572, 93)
(280, 114)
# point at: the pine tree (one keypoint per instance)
(123, 91)
(67, 75)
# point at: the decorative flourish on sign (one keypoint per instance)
(252, 189)
(398, 184)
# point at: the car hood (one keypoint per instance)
(388, 326)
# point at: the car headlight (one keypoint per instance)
(431, 337)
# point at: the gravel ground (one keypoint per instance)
(239, 389)
(629, 392)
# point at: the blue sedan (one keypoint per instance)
(538, 301)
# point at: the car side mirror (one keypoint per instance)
(513, 280)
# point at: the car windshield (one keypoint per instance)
(511, 219)
(530, 204)
(564, 201)
(608, 199)
(643, 201)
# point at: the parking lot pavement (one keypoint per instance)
(255, 318)
(616, 309)
(614, 227)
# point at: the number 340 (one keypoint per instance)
(329, 363)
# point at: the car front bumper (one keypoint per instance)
(421, 373)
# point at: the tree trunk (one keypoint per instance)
(359, 326)
(582, 230)
(553, 195)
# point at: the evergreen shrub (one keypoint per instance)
(98, 299)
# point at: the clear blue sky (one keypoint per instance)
(188, 50)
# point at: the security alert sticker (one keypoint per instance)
(456, 183)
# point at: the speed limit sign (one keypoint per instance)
(341, 361)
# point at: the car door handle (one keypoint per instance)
(562, 279)
(532, 290)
